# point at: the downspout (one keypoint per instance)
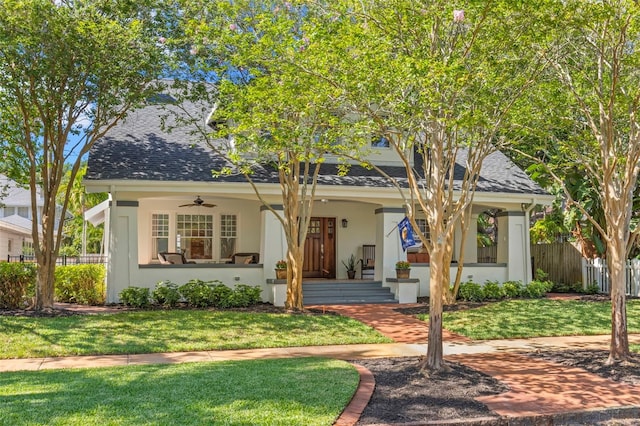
(527, 240)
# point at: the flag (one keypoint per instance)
(406, 234)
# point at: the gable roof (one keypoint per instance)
(138, 149)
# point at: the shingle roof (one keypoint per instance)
(139, 149)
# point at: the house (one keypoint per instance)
(15, 219)
(163, 198)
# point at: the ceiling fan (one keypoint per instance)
(198, 202)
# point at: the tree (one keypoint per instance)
(271, 118)
(69, 71)
(437, 83)
(594, 58)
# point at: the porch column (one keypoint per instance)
(273, 244)
(512, 238)
(122, 268)
(388, 245)
(470, 244)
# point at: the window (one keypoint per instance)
(228, 235)
(424, 228)
(159, 234)
(195, 236)
(8, 211)
(27, 248)
(9, 246)
(23, 212)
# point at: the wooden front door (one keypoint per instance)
(320, 248)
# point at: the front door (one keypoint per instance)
(320, 248)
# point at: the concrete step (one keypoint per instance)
(337, 292)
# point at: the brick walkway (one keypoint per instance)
(387, 320)
(537, 387)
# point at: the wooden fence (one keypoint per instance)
(562, 261)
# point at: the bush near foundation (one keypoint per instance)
(15, 281)
(82, 284)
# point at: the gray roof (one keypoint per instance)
(138, 149)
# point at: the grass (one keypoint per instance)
(175, 330)
(537, 317)
(275, 392)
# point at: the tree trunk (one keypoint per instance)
(294, 300)
(435, 360)
(44, 284)
(616, 262)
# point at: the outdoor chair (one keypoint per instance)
(368, 262)
(245, 258)
(173, 258)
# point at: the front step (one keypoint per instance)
(345, 292)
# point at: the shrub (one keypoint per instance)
(82, 284)
(15, 280)
(471, 292)
(536, 289)
(136, 297)
(244, 295)
(198, 293)
(166, 294)
(592, 288)
(512, 289)
(222, 296)
(492, 290)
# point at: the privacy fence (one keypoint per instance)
(562, 261)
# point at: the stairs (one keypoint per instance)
(343, 292)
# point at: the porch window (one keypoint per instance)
(159, 234)
(195, 236)
(228, 235)
(424, 228)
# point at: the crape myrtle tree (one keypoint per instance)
(438, 80)
(594, 57)
(270, 119)
(69, 71)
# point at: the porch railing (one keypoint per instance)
(595, 271)
(63, 260)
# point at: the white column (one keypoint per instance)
(471, 242)
(122, 269)
(388, 245)
(512, 239)
(273, 244)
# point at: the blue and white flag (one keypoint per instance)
(406, 234)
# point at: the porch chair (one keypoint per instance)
(368, 262)
(173, 258)
(244, 258)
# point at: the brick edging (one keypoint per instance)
(352, 412)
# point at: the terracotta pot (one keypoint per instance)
(403, 273)
(281, 274)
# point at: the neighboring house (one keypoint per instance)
(15, 219)
(153, 178)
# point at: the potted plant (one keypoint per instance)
(350, 264)
(281, 269)
(403, 269)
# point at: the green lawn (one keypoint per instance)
(274, 392)
(537, 317)
(174, 330)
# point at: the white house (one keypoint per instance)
(15, 219)
(154, 177)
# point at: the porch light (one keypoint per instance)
(345, 223)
